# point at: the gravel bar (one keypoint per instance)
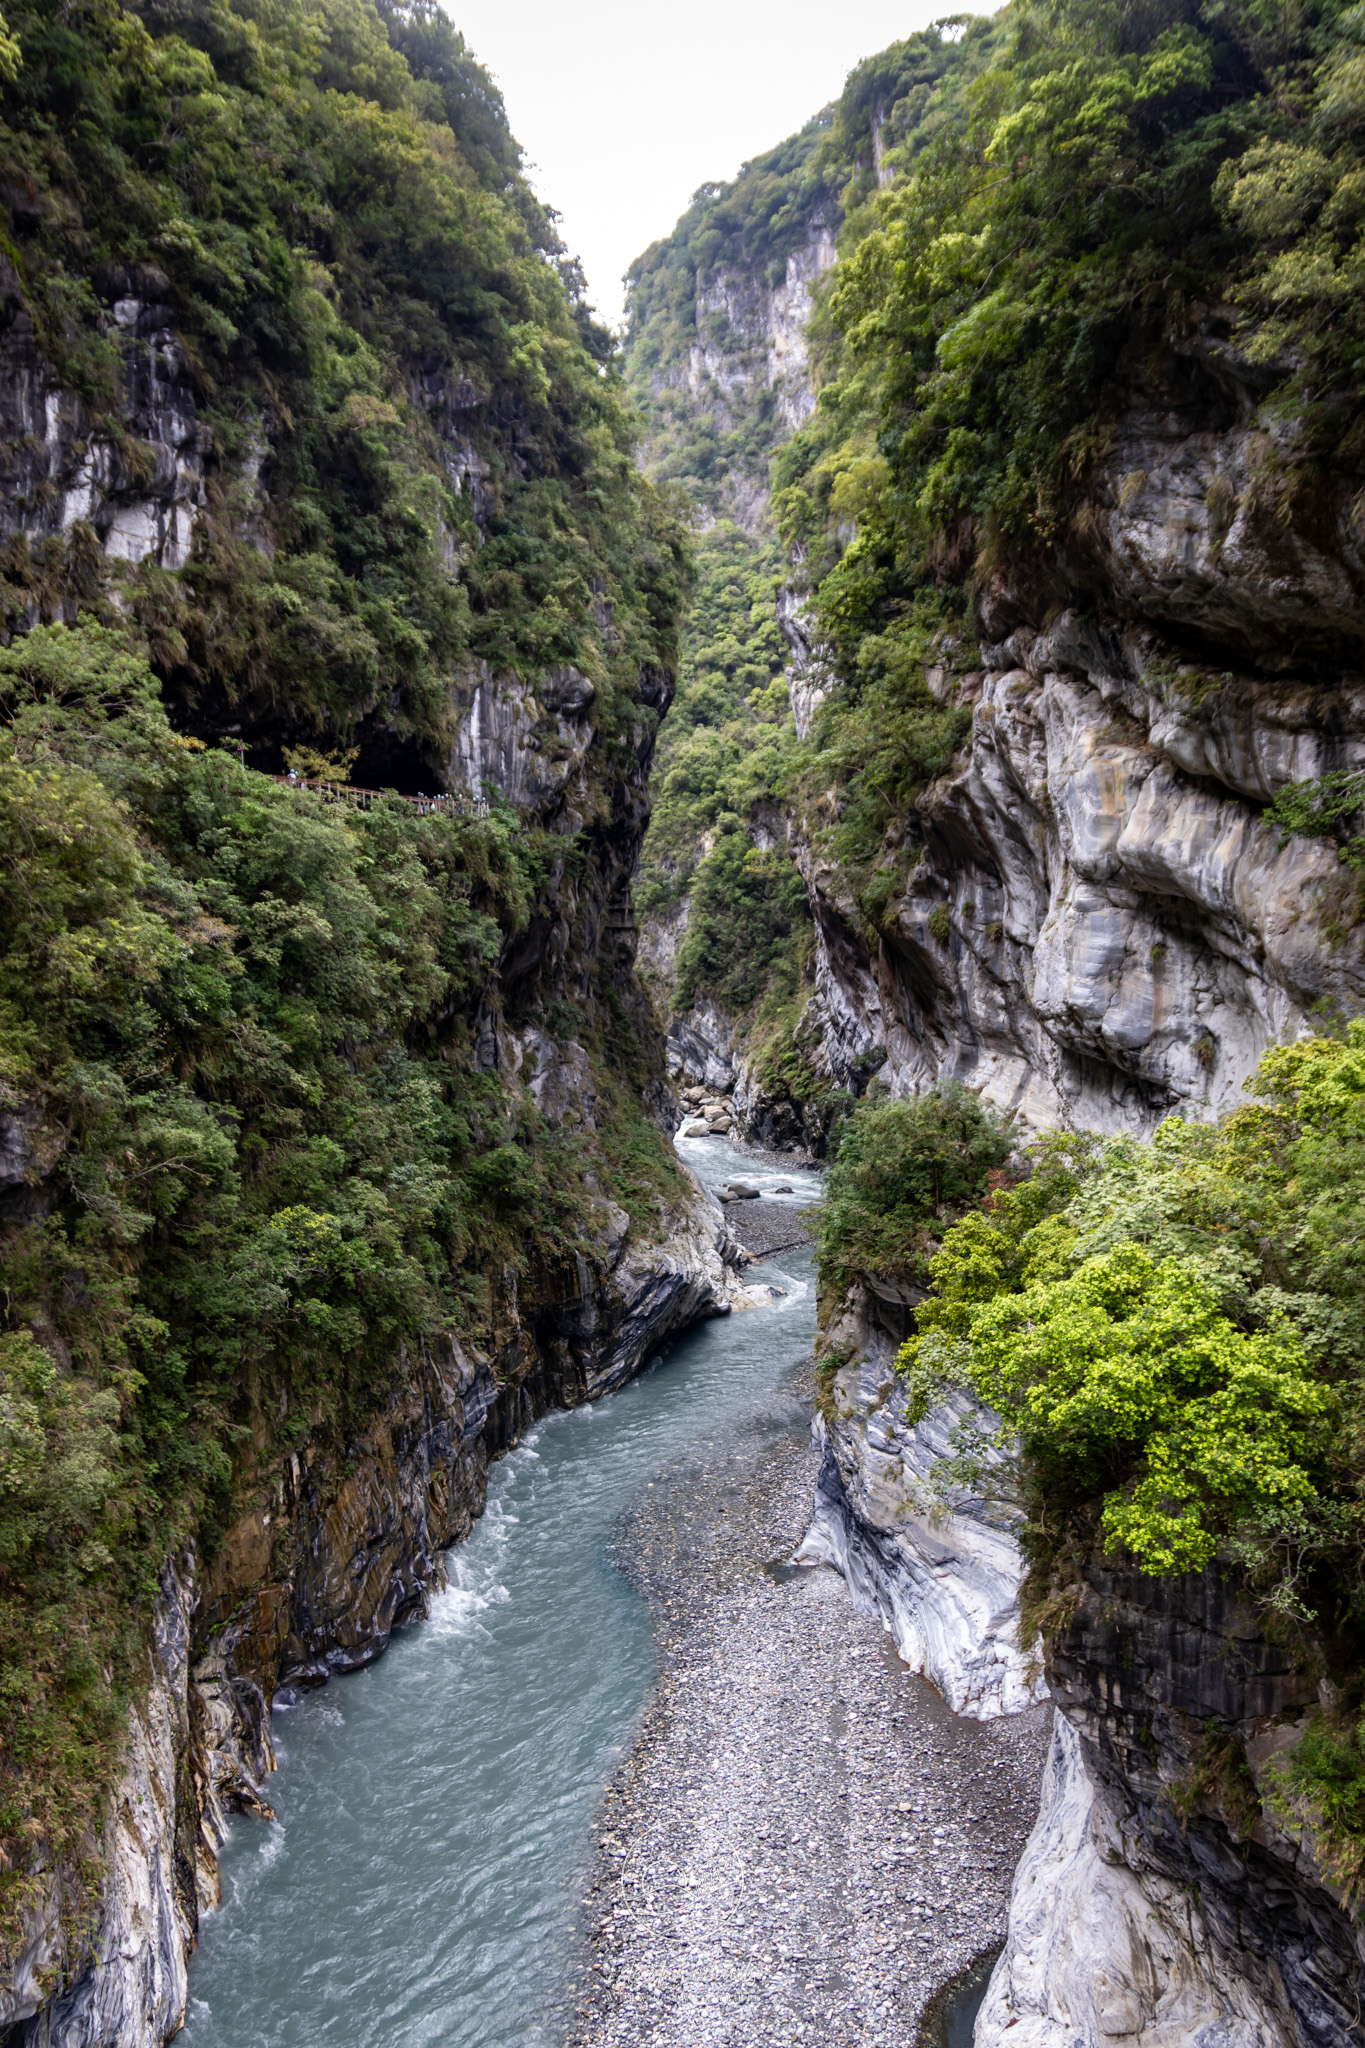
(804, 1844)
(766, 1228)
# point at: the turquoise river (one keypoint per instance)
(436, 1811)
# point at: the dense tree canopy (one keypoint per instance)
(418, 451)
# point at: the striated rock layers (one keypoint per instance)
(942, 1573)
(933, 1558)
(1091, 922)
(336, 1550)
(1169, 1895)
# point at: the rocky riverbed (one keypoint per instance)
(766, 1228)
(804, 1844)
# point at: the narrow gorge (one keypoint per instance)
(682, 1038)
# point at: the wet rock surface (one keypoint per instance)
(804, 1844)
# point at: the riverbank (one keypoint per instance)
(765, 1229)
(436, 1809)
(803, 1844)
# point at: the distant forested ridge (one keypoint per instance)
(726, 343)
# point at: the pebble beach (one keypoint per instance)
(804, 1844)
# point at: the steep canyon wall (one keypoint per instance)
(374, 499)
(1125, 934)
(1087, 918)
(329, 1555)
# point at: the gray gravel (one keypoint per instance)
(804, 1844)
(766, 1228)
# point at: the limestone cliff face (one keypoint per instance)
(942, 1572)
(62, 469)
(749, 361)
(1125, 935)
(935, 1559)
(1170, 1894)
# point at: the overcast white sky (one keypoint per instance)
(624, 107)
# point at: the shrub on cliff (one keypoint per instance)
(1128, 1371)
(902, 1170)
(1173, 1333)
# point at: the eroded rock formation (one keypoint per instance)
(1172, 1892)
(943, 1573)
(1124, 933)
(1170, 1895)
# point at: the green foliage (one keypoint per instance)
(895, 104)
(747, 907)
(330, 210)
(901, 1170)
(728, 738)
(1297, 195)
(1128, 1364)
(980, 314)
(1327, 1766)
(258, 1157)
(1085, 182)
(1015, 1238)
(1323, 809)
(1172, 1332)
(878, 739)
(724, 755)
